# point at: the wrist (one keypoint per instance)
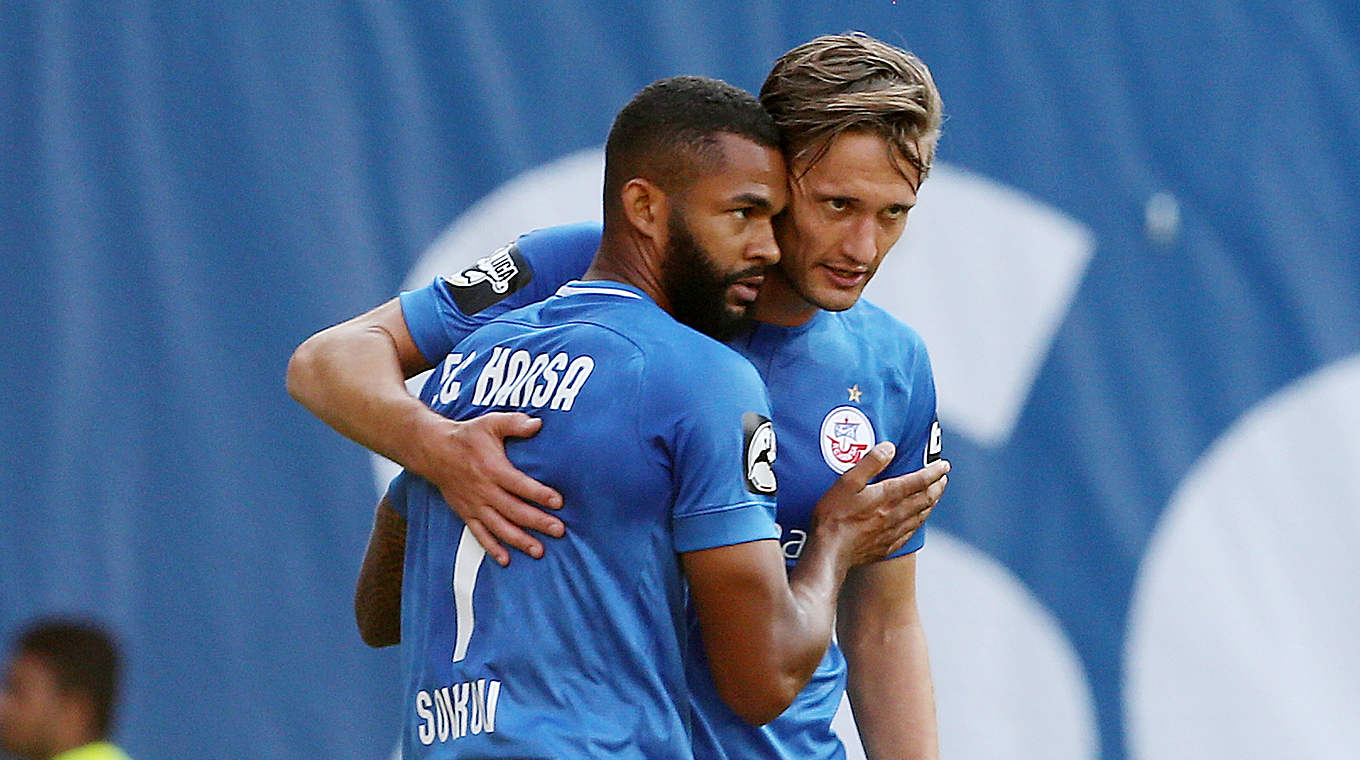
(416, 428)
(824, 562)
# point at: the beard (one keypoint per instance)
(696, 288)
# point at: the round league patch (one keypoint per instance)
(846, 434)
(761, 451)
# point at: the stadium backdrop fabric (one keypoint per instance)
(189, 190)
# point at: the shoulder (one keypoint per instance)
(868, 315)
(683, 348)
(572, 241)
(874, 327)
(682, 363)
(535, 262)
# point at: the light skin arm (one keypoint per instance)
(765, 631)
(889, 683)
(377, 595)
(352, 376)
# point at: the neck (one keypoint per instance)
(779, 304)
(631, 260)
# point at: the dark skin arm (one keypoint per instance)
(765, 632)
(377, 595)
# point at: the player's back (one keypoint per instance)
(579, 654)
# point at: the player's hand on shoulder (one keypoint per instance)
(875, 519)
(466, 461)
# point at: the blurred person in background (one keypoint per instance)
(61, 686)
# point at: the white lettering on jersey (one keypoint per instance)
(517, 378)
(448, 383)
(426, 730)
(461, 709)
(493, 374)
(516, 370)
(572, 380)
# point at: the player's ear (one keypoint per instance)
(646, 207)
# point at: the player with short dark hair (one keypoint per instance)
(59, 693)
(860, 121)
(660, 441)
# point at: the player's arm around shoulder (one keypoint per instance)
(888, 668)
(353, 376)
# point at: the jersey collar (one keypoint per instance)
(601, 288)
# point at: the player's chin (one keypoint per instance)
(836, 299)
(735, 311)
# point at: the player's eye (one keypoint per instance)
(837, 204)
(896, 212)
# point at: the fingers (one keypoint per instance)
(527, 516)
(506, 476)
(502, 530)
(911, 517)
(869, 466)
(512, 424)
(517, 484)
(506, 521)
(920, 481)
(493, 548)
(917, 494)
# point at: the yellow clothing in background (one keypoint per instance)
(96, 751)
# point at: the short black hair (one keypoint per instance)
(83, 659)
(668, 133)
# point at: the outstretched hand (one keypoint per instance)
(874, 520)
(466, 461)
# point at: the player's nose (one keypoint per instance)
(860, 243)
(763, 249)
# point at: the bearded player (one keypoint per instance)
(860, 120)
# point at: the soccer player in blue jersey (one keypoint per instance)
(659, 440)
(860, 120)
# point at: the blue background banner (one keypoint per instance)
(1164, 486)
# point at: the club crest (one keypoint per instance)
(846, 434)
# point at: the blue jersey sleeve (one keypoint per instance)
(920, 441)
(717, 422)
(523, 272)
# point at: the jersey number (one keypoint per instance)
(466, 563)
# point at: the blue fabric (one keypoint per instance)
(188, 190)
(580, 654)
(838, 384)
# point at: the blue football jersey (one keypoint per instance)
(838, 384)
(658, 439)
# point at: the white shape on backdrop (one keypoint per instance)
(1242, 631)
(986, 275)
(1008, 685)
